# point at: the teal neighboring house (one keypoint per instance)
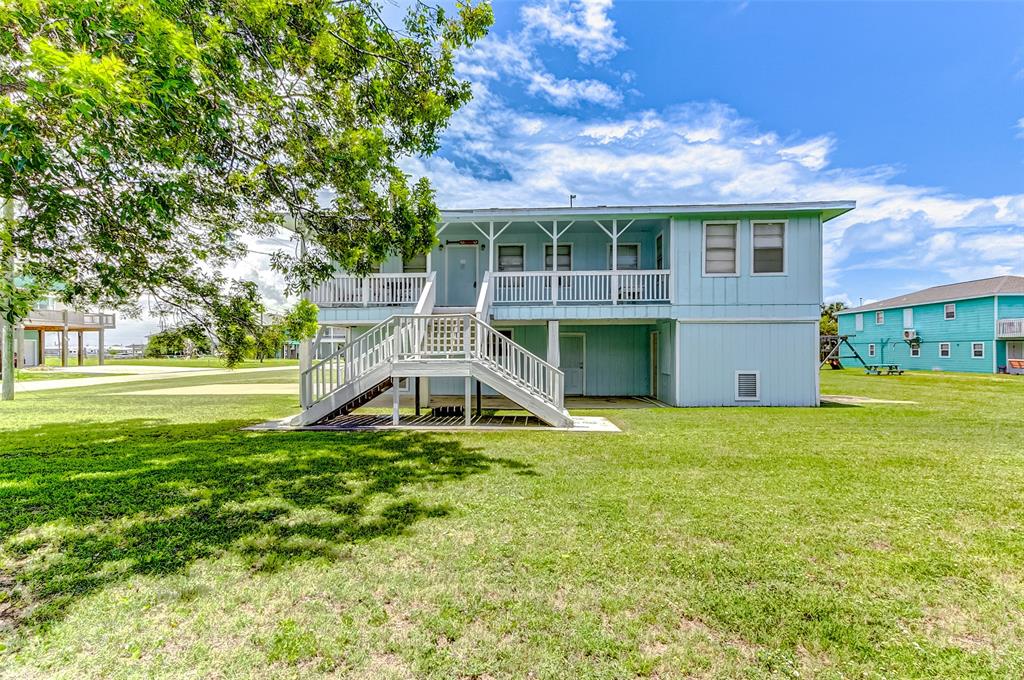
(974, 326)
(691, 305)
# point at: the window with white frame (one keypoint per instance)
(879, 318)
(858, 322)
(944, 350)
(978, 350)
(769, 241)
(629, 256)
(949, 311)
(511, 258)
(659, 252)
(908, 317)
(720, 248)
(871, 350)
(417, 264)
(564, 257)
(915, 350)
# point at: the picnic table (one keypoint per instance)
(880, 369)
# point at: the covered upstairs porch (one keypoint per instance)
(498, 263)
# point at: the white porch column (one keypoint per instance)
(64, 341)
(615, 262)
(469, 401)
(395, 399)
(101, 349)
(553, 356)
(81, 348)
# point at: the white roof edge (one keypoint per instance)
(829, 209)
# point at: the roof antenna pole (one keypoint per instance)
(572, 197)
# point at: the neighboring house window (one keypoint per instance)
(949, 311)
(659, 252)
(908, 318)
(720, 248)
(511, 258)
(879, 318)
(871, 350)
(769, 247)
(417, 264)
(858, 322)
(629, 256)
(915, 350)
(978, 350)
(564, 257)
(944, 350)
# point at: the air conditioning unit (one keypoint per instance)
(909, 334)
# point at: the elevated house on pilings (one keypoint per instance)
(689, 305)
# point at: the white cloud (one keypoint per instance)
(583, 25)
(1020, 125)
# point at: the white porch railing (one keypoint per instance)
(1010, 328)
(581, 287)
(374, 289)
(432, 338)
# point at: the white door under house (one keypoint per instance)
(572, 362)
(31, 356)
(1015, 350)
(460, 275)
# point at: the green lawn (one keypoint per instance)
(200, 362)
(147, 536)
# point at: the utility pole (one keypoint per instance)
(7, 392)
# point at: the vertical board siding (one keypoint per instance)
(783, 353)
(974, 322)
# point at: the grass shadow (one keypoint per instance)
(89, 504)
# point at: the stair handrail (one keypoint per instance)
(428, 296)
(357, 357)
(513, 360)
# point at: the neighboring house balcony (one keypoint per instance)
(59, 319)
(1010, 328)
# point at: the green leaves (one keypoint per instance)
(144, 140)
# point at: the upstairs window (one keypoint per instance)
(949, 311)
(629, 256)
(879, 318)
(769, 247)
(511, 258)
(720, 248)
(417, 264)
(858, 322)
(564, 257)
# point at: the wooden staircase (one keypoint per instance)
(430, 345)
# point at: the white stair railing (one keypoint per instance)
(426, 338)
(483, 302)
(428, 296)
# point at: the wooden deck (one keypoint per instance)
(373, 421)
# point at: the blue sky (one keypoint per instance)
(915, 110)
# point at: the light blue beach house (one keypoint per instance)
(691, 305)
(975, 326)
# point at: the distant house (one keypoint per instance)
(692, 305)
(975, 326)
(50, 316)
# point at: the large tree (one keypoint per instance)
(143, 139)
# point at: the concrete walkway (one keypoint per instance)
(40, 385)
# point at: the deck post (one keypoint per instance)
(100, 349)
(64, 341)
(478, 398)
(554, 263)
(81, 348)
(416, 387)
(41, 347)
(395, 397)
(469, 404)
